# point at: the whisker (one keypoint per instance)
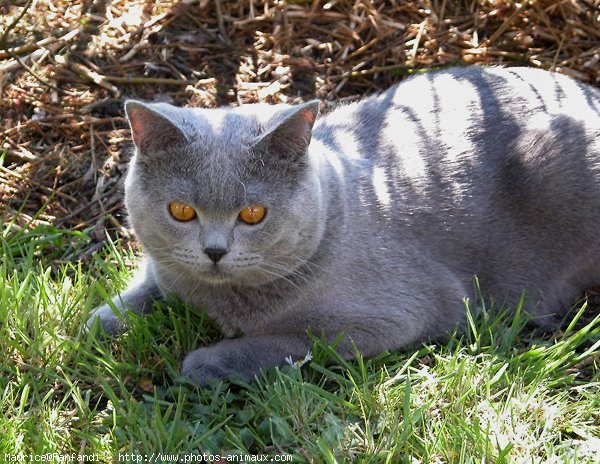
(279, 276)
(290, 272)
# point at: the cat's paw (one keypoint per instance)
(243, 358)
(207, 364)
(110, 322)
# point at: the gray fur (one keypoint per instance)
(377, 229)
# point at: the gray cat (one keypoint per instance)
(369, 221)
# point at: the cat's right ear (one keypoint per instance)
(152, 128)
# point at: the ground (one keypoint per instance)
(500, 393)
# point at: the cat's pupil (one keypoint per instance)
(253, 214)
(182, 211)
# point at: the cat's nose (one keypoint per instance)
(215, 254)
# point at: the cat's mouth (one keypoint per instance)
(217, 275)
(235, 275)
(244, 269)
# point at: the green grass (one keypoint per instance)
(499, 393)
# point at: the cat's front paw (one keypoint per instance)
(206, 364)
(244, 357)
(110, 322)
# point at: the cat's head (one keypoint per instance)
(225, 195)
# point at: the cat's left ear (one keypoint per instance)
(289, 132)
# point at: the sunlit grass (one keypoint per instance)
(499, 393)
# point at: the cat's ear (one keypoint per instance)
(153, 126)
(288, 133)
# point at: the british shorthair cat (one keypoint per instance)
(369, 221)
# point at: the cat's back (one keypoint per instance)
(452, 107)
(465, 159)
(485, 171)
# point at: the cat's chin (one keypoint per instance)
(216, 276)
(232, 279)
(216, 279)
(225, 277)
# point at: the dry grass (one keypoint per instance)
(66, 68)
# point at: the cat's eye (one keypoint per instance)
(253, 214)
(182, 211)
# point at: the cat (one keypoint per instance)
(370, 221)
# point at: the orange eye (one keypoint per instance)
(253, 214)
(182, 211)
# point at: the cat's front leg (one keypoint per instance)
(138, 298)
(244, 357)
